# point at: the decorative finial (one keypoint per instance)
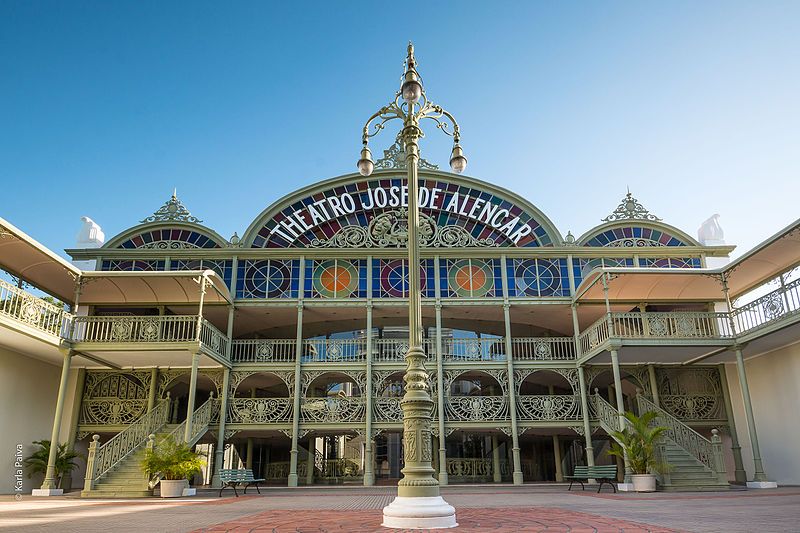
(569, 240)
(630, 209)
(172, 210)
(235, 240)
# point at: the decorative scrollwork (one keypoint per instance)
(259, 410)
(390, 230)
(336, 409)
(387, 409)
(395, 158)
(477, 408)
(548, 407)
(630, 209)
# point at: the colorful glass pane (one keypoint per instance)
(472, 278)
(634, 236)
(169, 239)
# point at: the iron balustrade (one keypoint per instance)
(104, 458)
(335, 350)
(473, 349)
(693, 442)
(259, 410)
(673, 325)
(333, 409)
(264, 351)
(543, 348)
(476, 408)
(554, 407)
(780, 303)
(594, 336)
(20, 305)
(138, 329)
(387, 409)
(201, 418)
(213, 339)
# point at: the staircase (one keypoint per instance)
(114, 469)
(695, 463)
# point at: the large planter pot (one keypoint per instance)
(644, 482)
(172, 488)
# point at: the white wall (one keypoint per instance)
(774, 380)
(28, 390)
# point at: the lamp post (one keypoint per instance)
(418, 503)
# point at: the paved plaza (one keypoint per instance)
(496, 508)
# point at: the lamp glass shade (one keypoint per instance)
(365, 166)
(412, 91)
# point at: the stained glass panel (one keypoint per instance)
(390, 278)
(634, 236)
(133, 265)
(336, 278)
(273, 278)
(471, 278)
(169, 239)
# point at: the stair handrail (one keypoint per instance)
(607, 414)
(201, 418)
(103, 458)
(690, 440)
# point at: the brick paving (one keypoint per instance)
(495, 508)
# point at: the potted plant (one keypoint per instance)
(173, 463)
(638, 442)
(36, 463)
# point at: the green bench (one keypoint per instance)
(234, 477)
(603, 474)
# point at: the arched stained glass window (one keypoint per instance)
(133, 265)
(223, 267)
(169, 239)
(634, 236)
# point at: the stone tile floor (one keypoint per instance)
(495, 508)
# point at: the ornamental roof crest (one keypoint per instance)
(173, 210)
(395, 157)
(630, 209)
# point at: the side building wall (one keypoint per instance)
(774, 381)
(28, 390)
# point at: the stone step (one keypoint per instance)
(122, 480)
(123, 493)
(705, 487)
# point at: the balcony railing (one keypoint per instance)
(473, 349)
(213, 339)
(336, 350)
(333, 409)
(32, 311)
(138, 329)
(264, 351)
(259, 410)
(476, 408)
(675, 325)
(549, 407)
(771, 307)
(543, 348)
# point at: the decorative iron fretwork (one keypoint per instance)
(630, 209)
(259, 410)
(395, 158)
(333, 409)
(390, 230)
(477, 408)
(548, 407)
(172, 210)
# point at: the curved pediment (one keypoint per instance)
(357, 212)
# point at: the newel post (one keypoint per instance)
(88, 483)
(719, 458)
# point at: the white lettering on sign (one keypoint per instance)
(378, 198)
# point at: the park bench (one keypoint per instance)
(602, 474)
(233, 477)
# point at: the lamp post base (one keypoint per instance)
(419, 513)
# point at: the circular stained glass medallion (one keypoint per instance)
(335, 279)
(470, 278)
(394, 278)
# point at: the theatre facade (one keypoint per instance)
(282, 349)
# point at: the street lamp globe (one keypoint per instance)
(457, 160)
(412, 88)
(365, 164)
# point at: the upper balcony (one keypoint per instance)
(158, 340)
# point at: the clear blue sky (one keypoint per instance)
(106, 106)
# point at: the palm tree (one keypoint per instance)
(638, 441)
(36, 463)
